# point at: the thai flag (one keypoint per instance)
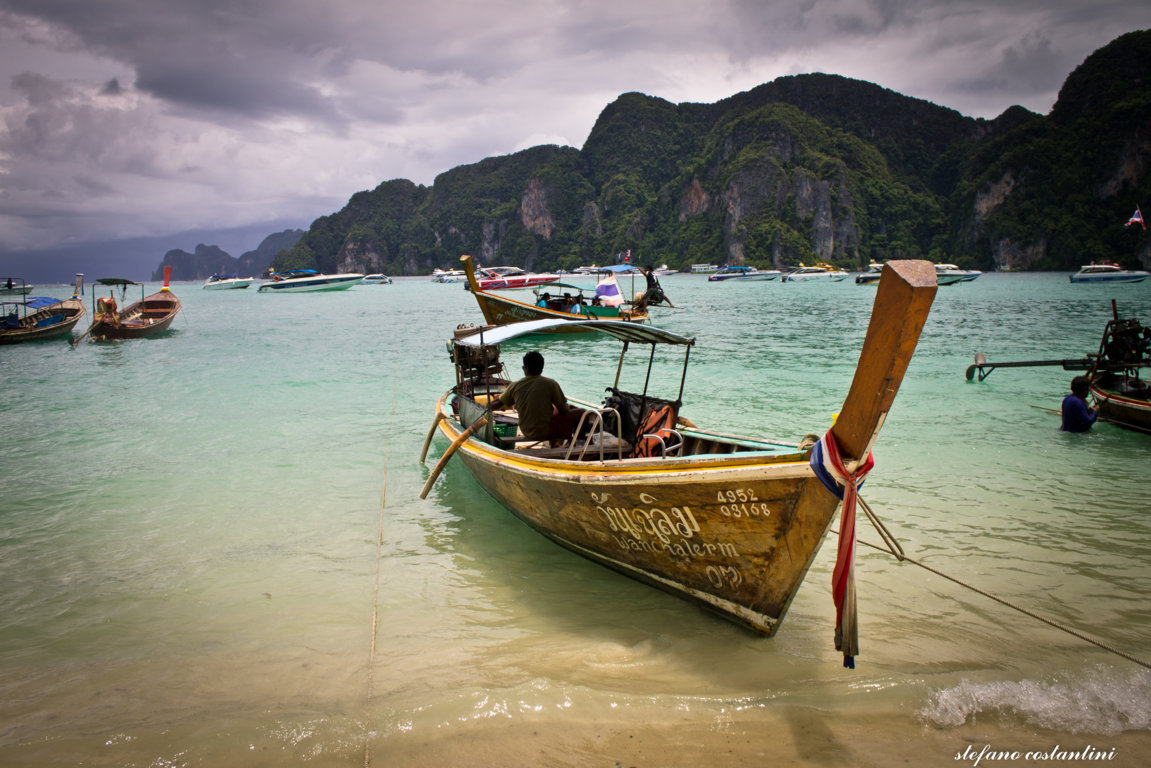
(1137, 218)
(607, 291)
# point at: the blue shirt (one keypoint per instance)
(1076, 416)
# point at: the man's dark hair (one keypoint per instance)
(533, 363)
(1081, 385)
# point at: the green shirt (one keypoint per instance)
(534, 397)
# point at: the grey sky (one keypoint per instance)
(124, 118)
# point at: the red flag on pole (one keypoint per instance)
(1137, 218)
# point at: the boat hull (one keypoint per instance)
(228, 285)
(751, 276)
(499, 310)
(735, 534)
(833, 277)
(1123, 400)
(1110, 278)
(41, 326)
(311, 284)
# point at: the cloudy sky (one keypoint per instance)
(131, 118)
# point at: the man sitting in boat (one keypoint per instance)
(543, 410)
(544, 298)
(1077, 415)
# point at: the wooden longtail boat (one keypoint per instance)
(147, 317)
(39, 318)
(1124, 399)
(730, 522)
(501, 310)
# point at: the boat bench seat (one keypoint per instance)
(541, 449)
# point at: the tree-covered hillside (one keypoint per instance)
(807, 168)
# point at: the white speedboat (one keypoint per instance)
(447, 275)
(15, 287)
(803, 273)
(308, 280)
(1107, 273)
(871, 276)
(662, 270)
(948, 274)
(742, 273)
(377, 279)
(226, 282)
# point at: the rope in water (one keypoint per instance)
(895, 550)
(379, 559)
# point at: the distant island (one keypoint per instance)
(208, 260)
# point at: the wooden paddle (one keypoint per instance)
(482, 420)
(431, 433)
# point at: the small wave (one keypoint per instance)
(1102, 701)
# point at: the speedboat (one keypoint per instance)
(447, 275)
(494, 278)
(309, 280)
(947, 274)
(225, 282)
(1107, 272)
(804, 273)
(377, 279)
(662, 270)
(742, 273)
(15, 287)
(871, 276)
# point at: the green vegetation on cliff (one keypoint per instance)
(806, 168)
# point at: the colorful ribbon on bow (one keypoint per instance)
(827, 463)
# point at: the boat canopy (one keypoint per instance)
(39, 302)
(116, 281)
(619, 329)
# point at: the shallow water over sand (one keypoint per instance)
(213, 551)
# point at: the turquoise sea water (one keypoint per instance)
(212, 549)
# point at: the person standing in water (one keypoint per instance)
(1078, 416)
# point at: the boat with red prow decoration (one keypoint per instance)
(147, 317)
(729, 522)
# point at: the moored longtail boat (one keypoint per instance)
(729, 522)
(1123, 398)
(40, 318)
(146, 317)
(502, 310)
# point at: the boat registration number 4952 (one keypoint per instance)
(741, 503)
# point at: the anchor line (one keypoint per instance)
(895, 550)
(379, 557)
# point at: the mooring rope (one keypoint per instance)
(895, 550)
(379, 559)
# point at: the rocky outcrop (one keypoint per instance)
(1010, 257)
(534, 213)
